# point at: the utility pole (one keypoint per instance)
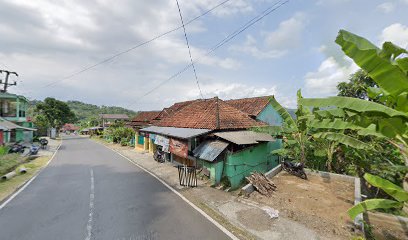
(6, 83)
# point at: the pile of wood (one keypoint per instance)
(262, 184)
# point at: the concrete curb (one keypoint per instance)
(331, 176)
(249, 188)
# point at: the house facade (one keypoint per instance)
(13, 109)
(215, 135)
(142, 119)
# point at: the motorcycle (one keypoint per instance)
(33, 150)
(16, 148)
(159, 155)
(296, 169)
(44, 143)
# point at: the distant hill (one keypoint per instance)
(86, 111)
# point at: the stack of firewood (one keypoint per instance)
(262, 184)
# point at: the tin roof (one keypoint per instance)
(176, 132)
(209, 150)
(6, 125)
(245, 137)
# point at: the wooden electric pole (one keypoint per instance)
(6, 83)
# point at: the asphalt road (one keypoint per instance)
(90, 192)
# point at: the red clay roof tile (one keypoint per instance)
(203, 114)
(252, 106)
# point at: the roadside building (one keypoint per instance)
(214, 135)
(13, 109)
(142, 119)
(258, 108)
(108, 119)
(69, 128)
(15, 133)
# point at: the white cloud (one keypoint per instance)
(228, 9)
(250, 47)
(232, 90)
(396, 33)
(276, 43)
(288, 34)
(323, 82)
(386, 7)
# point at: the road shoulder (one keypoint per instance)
(10, 188)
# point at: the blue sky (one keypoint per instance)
(292, 48)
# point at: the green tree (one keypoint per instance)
(388, 67)
(357, 86)
(55, 113)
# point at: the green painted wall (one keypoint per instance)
(215, 169)
(140, 140)
(19, 135)
(270, 116)
(257, 158)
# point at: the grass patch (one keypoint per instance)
(9, 186)
(9, 161)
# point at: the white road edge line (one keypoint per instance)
(222, 228)
(29, 181)
(91, 207)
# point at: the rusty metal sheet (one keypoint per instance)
(245, 137)
(209, 150)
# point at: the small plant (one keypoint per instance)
(3, 150)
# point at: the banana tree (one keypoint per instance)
(396, 192)
(388, 67)
(294, 132)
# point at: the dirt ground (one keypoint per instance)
(317, 203)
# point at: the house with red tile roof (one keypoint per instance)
(144, 119)
(213, 114)
(216, 135)
(258, 108)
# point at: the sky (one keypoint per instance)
(292, 48)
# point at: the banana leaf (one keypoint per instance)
(287, 118)
(391, 127)
(343, 139)
(370, 131)
(334, 112)
(390, 188)
(372, 60)
(403, 64)
(372, 204)
(333, 124)
(354, 104)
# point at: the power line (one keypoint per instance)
(189, 51)
(251, 22)
(134, 47)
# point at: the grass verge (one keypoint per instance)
(9, 186)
